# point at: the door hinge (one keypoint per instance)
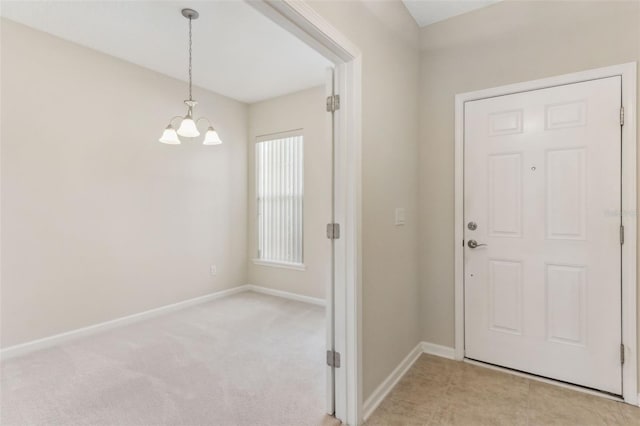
(622, 116)
(621, 234)
(621, 353)
(333, 103)
(333, 231)
(333, 359)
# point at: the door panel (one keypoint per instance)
(505, 195)
(566, 193)
(542, 183)
(505, 296)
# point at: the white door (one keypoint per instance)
(330, 289)
(542, 184)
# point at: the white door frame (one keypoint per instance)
(629, 206)
(305, 23)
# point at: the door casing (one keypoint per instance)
(304, 22)
(628, 74)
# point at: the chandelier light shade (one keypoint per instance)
(188, 127)
(169, 136)
(211, 137)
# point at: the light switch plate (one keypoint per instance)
(400, 216)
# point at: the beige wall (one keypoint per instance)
(99, 220)
(505, 43)
(301, 110)
(387, 36)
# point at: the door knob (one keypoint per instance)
(474, 244)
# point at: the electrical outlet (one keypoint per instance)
(213, 270)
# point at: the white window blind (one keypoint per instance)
(280, 191)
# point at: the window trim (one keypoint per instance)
(282, 265)
(268, 262)
(279, 135)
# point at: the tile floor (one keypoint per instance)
(328, 420)
(437, 391)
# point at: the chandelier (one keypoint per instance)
(188, 126)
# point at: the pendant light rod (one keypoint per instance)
(190, 14)
(190, 56)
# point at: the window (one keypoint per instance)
(279, 191)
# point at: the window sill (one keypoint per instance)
(283, 265)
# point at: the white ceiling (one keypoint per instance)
(237, 51)
(427, 12)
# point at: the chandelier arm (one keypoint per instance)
(171, 121)
(204, 118)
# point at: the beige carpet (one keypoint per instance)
(248, 359)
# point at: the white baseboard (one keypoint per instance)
(387, 385)
(438, 350)
(57, 339)
(286, 295)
